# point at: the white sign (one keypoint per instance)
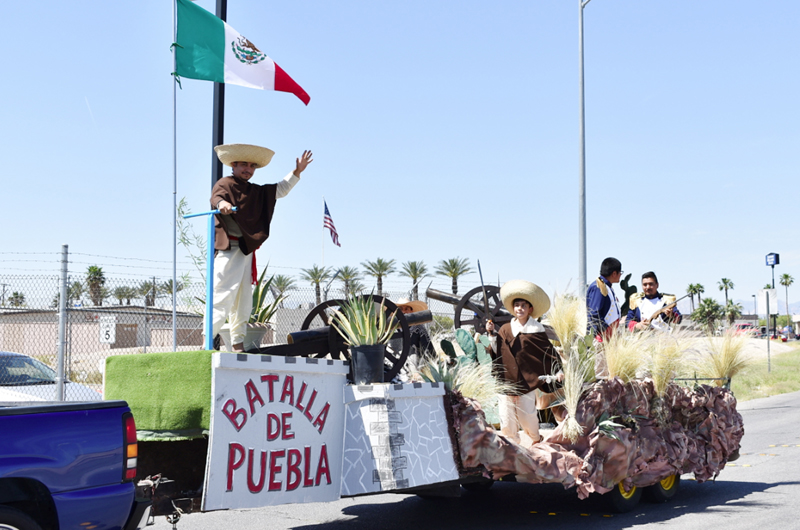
(773, 301)
(108, 330)
(277, 428)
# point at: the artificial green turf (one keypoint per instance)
(169, 392)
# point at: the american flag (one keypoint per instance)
(327, 222)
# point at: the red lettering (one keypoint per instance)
(288, 389)
(253, 486)
(273, 426)
(322, 465)
(300, 397)
(286, 434)
(270, 378)
(307, 480)
(231, 412)
(252, 396)
(234, 462)
(306, 412)
(293, 475)
(274, 468)
(322, 417)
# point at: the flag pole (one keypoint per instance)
(218, 124)
(323, 234)
(174, 179)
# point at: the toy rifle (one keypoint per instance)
(666, 308)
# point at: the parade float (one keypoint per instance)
(284, 424)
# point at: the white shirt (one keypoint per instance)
(531, 326)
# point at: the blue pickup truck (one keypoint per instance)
(68, 466)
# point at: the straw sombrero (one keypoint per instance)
(230, 153)
(531, 292)
(415, 305)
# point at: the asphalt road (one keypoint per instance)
(760, 490)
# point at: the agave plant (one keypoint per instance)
(359, 322)
(473, 380)
(262, 311)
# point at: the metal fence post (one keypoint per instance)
(62, 324)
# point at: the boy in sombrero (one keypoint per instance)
(238, 234)
(522, 352)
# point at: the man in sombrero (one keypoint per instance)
(238, 234)
(522, 352)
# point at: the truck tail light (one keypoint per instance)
(130, 448)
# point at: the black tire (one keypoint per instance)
(622, 501)
(664, 490)
(481, 486)
(11, 519)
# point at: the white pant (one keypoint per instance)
(233, 291)
(516, 411)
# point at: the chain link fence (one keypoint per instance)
(123, 317)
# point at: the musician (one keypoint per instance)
(645, 304)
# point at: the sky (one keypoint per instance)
(439, 130)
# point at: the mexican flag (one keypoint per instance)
(209, 49)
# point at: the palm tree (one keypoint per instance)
(119, 294)
(17, 299)
(349, 276)
(724, 285)
(416, 270)
(378, 269)
(733, 311)
(453, 268)
(166, 287)
(282, 284)
(699, 289)
(126, 293)
(147, 289)
(692, 290)
(786, 280)
(75, 292)
(95, 280)
(316, 275)
(707, 314)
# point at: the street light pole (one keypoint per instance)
(582, 178)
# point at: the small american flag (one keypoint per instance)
(327, 222)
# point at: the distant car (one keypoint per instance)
(745, 327)
(24, 378)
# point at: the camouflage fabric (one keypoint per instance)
(688, 431)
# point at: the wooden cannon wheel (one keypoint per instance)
(473, 308)
(395, 358)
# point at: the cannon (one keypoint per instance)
(323, 340)
(470, 309)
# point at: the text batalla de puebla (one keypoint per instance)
(291, 468)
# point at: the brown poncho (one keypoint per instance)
(522, 359)
(256, 204)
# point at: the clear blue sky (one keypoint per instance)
(439, 129)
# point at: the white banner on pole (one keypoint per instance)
(773, 301)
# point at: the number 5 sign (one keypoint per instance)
(108, 330)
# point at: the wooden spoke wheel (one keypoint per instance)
(471, 309)
(397, 349)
